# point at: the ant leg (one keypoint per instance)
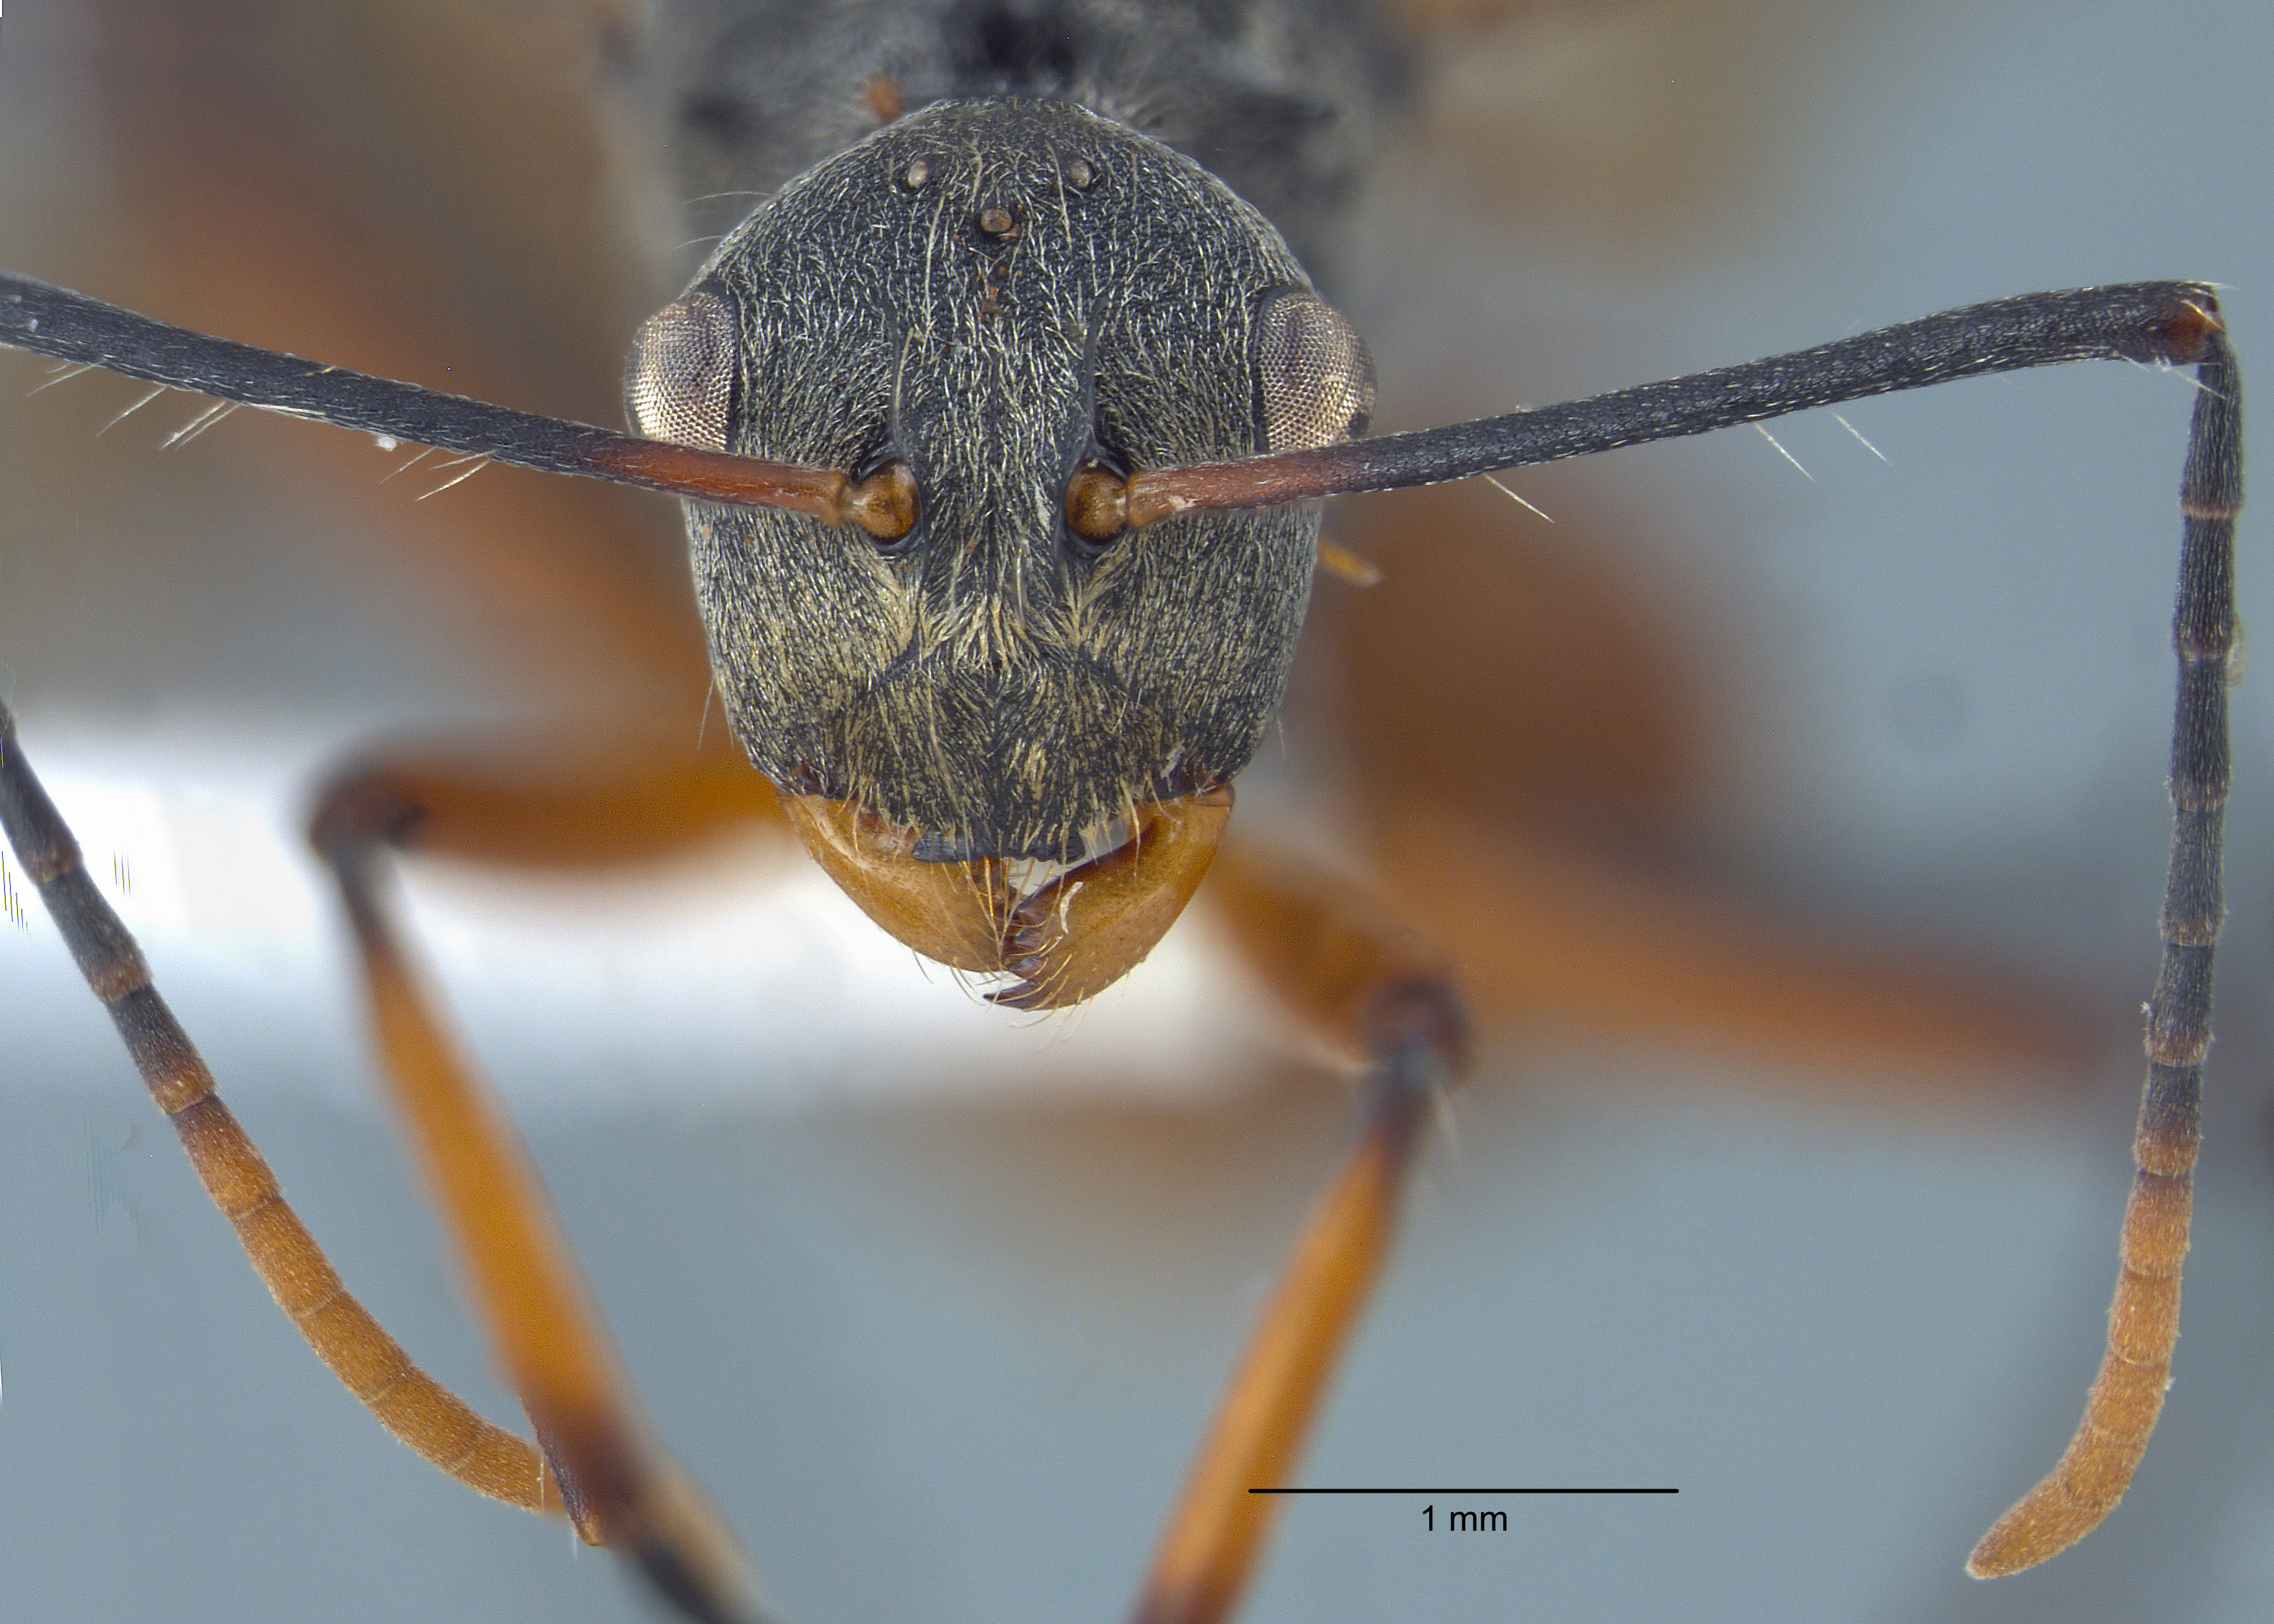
(558, 801)
(1553, 936)
(1342, 965)
(372, 1366)
(585, 808)
(1580, 904)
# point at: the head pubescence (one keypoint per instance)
(999, 294)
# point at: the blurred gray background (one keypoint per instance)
(934, 1302)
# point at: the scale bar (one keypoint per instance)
(1523, 1491)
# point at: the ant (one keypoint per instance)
(1108, 519)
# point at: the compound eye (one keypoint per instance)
(1314, 377)
(679, 383)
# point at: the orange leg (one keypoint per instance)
(1540, 814)
(578, 807)
(1361, 979)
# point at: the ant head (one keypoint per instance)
(983, 307)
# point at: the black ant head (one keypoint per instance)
(1003, 298)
